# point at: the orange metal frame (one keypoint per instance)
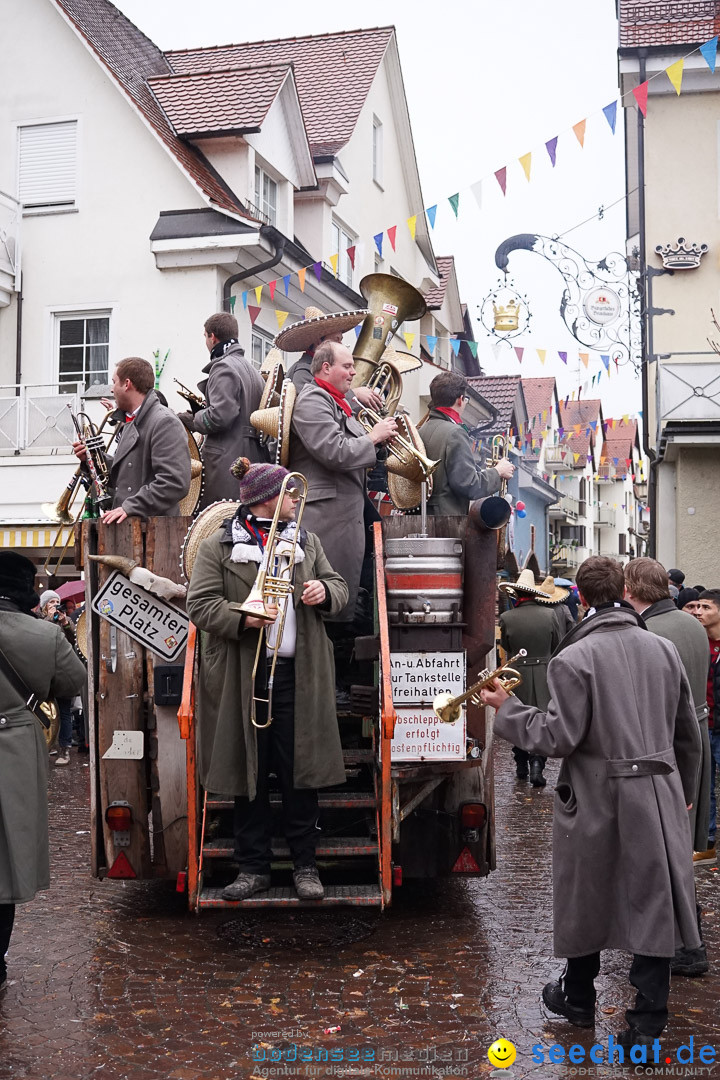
(186, 723)
(387, 725)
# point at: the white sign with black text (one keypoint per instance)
(420, 735)
(418, 677)
(160, 627)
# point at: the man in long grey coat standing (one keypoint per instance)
(333, 452)
(232, 391)
(622, 718)
(46, 664)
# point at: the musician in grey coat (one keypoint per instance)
(232, 390)
(41, 655)
(150, 467)
(622, 718)
(458, 480)
(333, 451)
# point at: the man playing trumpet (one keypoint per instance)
(302, 743)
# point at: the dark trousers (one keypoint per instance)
(7, 917)
(650, 975)
(276, 753)
(523, 758)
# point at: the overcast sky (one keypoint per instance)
(486, 83)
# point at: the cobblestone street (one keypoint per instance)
(117, 981)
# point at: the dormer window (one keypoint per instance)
(266, 195)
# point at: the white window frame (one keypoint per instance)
(269, 211)
(265, 341)
(377, 151)
(85, 311)
(340, 241)
(50, 208)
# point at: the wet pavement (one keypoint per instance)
(116, 980)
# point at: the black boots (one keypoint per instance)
(537, 764)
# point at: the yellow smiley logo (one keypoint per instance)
(502, 1053)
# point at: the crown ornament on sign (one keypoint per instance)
(506, 317)
(681, 256)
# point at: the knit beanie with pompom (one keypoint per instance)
(257, 483)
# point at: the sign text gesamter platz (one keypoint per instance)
(159, 626)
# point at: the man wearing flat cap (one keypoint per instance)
(37, 658)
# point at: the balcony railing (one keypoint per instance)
(606, 516)
(10, 218)
(689, 389)
(565, 556)
(35, 419)
(568, 508)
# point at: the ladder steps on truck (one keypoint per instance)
(332, 846)
(352, 756)
(349, 800)
(335, 895)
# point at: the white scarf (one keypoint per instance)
(246, 549)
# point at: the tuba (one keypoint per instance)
(447, 707)
(391, 301)
(274, 581)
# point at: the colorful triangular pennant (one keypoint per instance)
(551, 147)
(455, 345)
(391, 235)
(301, 278)
(431, 212)
(709, 52)
(334, 263)
(501, 177)
(409, 339)
(286, 283)
(675, 74)
(254, 312)
(272, 285)
(579, 130)
(281, 316)
(378, 238)
(412, 225)
(454, 201)
(640, 93)
(526, 161)
(258, 293)
(610, 112)
(317, 267)
(431, 340)
(351, 255)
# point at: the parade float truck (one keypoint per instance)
(418, 796)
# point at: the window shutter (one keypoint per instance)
(47, 164)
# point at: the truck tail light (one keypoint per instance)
(119, 817)
(473, 816)
(397, 876)
(121, 868)
(181, 882)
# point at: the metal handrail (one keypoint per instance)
(387, 726)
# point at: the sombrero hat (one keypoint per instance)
(525, 585)
(275, 422)
(276, 374)
(273, 357)
(188, 504)
(556, 594)
(314, 327)
(81, 631)
(401, 360)
(205, 524)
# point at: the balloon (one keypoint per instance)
(520, 505)
(522, 513)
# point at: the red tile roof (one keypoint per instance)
(619, 441)
(219, 102)
(502, 392)
(539, 398)
(333, 73)
(132, 58)
(667, 22)
(575, 419)
(446, 266)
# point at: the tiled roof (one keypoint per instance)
(446, 265)
(667, 22)
(502, 392)
(619, 441)
(333, 73)
(539, 398)
(580, 414)
(132, 59)
(215, 102)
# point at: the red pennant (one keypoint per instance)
(271, 287)
(640, 93)
(465, 863)
(519, 350)
(501, 177)
(351, 256)
(391, 235)
(254, 312)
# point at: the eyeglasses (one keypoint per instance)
(466, 397)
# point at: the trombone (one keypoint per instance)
(274, 582)
(448, 708)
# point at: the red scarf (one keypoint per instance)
(455, 416)
(337, 397)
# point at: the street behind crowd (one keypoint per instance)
(118, 981)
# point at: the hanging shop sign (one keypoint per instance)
(602, 306)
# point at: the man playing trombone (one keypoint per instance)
(238, 748)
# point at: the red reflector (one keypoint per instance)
(181, 883)
(465, 864)
(121, 868)
(118, 818)
(472, 816)
(397, 875)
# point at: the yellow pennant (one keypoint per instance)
(576, 456)
(258, 294)
(675, 74)
(334, 264)
(411, 223)
(542, 354)
(526, 161)
(626, 418)
(301, 278)
(281, 316)
(579, 130)
(409, 338)
(584, 357)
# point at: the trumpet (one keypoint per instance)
(404, 458)
(274, 582)
(448, 708)
(95, 459)
(195, 401)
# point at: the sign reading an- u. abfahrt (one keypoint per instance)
(159, 626)
(418, 677)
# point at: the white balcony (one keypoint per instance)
(35, 418)
(689, 391)
(565, 557)
(606, 516)
(10, 218)
(568, 509)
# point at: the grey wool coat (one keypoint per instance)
(232, 390)
(458, 480)
(533, 627)
(333, 452)
(42, 656)
(622, 719)
(690, 640)
(150, 470)
(227, 745)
